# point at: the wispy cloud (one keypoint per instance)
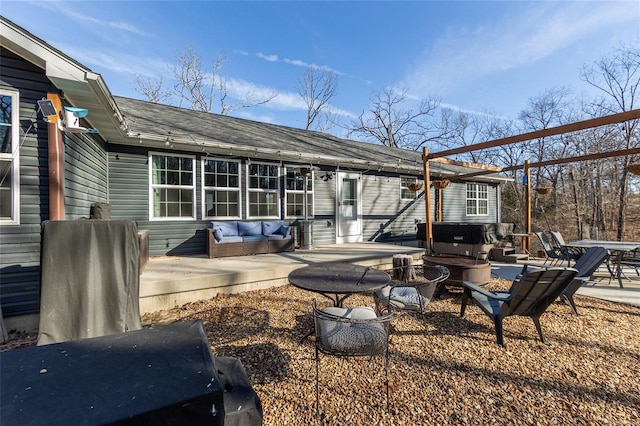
(71, 12)
(118, 62)
(268, 58)
(241, 89)
(532, 33)
(299, 63)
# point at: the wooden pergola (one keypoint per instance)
(552, 131)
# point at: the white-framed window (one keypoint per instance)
(294, 193)
(172, 186)
(9, 158)
(477, 199)
(263, 190)
(405, 192)
(221, 188)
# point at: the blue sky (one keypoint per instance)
(475, 56)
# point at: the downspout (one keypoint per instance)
(56, 162)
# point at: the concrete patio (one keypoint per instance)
(167, 282)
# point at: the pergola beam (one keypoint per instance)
(576, 159)
(551, 131)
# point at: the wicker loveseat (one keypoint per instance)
(240, 238)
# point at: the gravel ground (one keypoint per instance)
(443, 369)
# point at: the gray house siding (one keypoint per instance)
(384, 211)
(324, 225)
(454, 199)
(85, 176)
(85, 182)
(20, 244)
(129, 199)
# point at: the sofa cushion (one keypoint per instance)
(227, 228)
(253, 238)
(250, 228)
(285, 231)
(273, 237)
(270, 227)
(232, 239)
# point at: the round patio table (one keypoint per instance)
(337, 281)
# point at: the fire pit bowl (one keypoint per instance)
(461, 268)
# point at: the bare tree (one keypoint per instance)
(391, 125)
(152, 89)
(617, 76)
(317, 88)
(200, 86)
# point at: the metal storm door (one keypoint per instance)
(349, 211)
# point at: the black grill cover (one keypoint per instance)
(163, 376)
(89, 279)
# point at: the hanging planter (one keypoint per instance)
(634, 168)
(544, 190)
(440, 184)
(413, 187)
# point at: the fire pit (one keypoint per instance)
(461, 268)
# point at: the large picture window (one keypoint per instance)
(172, 191)
(9, 158)
(263, 190)
(477, 199)
(221, 187)
(294, 193)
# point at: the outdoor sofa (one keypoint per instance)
(241, 238)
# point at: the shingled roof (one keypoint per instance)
(216, 134)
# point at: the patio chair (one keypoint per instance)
(351, 332)
(588, 263)
(554, 254)
(529, 296)
(570, 252)
(412, 296)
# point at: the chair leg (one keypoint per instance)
(569, 300)
(463, 303)
(536, 321)
(497, 320)
(317, 387)
(386, 375)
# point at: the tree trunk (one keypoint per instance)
(403, 269)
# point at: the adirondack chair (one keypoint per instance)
(588, 263)
(529, 296)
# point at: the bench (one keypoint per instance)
(242, 238)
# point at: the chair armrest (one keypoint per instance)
(473, 287)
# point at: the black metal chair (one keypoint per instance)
(411, 296)
(351, 332)
(569, 252)
(554, 254)
(529, 296)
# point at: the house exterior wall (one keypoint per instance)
(454, 198)
(85, 174)
(20, 244)
(85, 182)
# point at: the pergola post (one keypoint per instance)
(427, 199)
(527, 195)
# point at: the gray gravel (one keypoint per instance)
(443, 369)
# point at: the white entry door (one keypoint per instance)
(349, 208)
